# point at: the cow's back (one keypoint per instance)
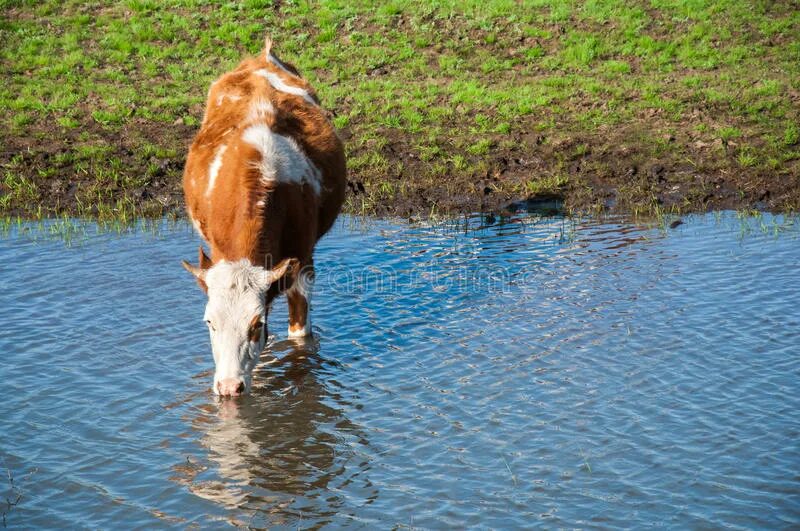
(265, 174)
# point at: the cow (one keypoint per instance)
(264, 180)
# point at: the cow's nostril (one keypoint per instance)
(230, 387)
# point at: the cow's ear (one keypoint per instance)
(198, 272)
(287, 265)
(202, 259)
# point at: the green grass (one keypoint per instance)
(547, 185)
(114, 90)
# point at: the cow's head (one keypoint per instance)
(236, 315)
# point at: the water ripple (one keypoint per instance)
(500, 374)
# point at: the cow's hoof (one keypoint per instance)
(300, 332)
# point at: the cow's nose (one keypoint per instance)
(230, 387)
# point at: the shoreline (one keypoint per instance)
(595, 179)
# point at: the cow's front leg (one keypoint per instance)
(299, 298)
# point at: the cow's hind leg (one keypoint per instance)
(299, 298)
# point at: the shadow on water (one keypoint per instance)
(277, 452)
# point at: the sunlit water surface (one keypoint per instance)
(497, 373)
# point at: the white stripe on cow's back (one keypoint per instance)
(260, 110)
(279, 84)
(282, 159)
(277, 62)
(214, 167)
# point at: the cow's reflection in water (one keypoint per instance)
(275, 452)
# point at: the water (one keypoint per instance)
(531, 371)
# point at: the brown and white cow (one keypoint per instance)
(264, 180)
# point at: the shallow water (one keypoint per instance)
(507, 374)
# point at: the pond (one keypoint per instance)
(492, 372)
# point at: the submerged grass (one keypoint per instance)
(13, 494)
(438, 101)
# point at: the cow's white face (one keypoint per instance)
(236, 316)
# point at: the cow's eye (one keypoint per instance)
(210, 326)
(256, 327)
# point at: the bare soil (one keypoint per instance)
(611, 173)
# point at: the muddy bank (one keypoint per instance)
(594, 173)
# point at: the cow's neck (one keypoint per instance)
(246, 234)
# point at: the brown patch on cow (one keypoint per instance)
(255, 329)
